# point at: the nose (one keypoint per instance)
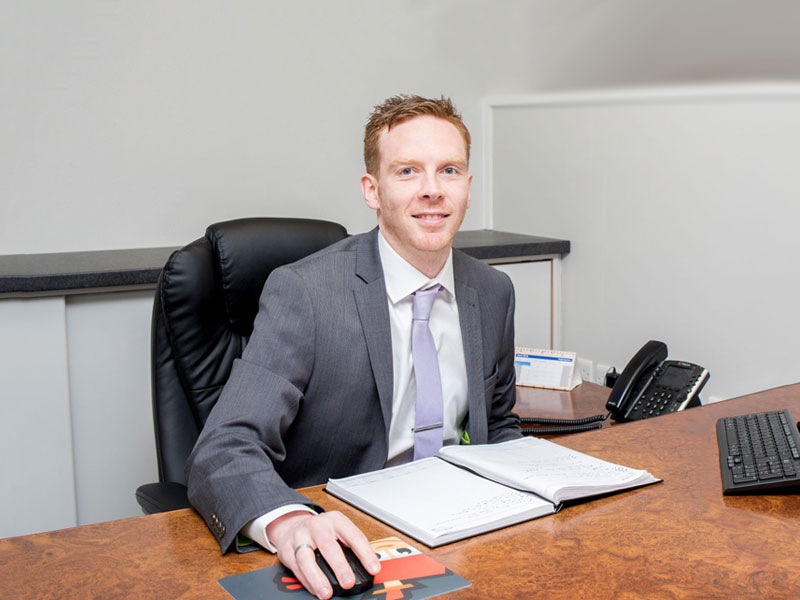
(430, 188)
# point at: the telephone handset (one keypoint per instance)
(650, 385)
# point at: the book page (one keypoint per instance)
(431, 499)
(552, 471)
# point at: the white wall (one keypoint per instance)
(682, 210)
(134, 124)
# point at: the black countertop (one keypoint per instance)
(62, 273)
(490, 245)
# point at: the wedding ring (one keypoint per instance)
(300, 547)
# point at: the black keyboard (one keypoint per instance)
(759, 451)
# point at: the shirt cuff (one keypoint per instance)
(256, 529)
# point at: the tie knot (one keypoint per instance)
(423, 302)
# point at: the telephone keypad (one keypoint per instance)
(657, 399)
(655, 402)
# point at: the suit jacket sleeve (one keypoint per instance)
(231, 471)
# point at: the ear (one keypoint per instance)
(469, 189)
(369, 187)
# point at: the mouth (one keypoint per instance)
(431, 217)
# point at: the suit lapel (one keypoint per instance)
(373, 311)
(469, 313)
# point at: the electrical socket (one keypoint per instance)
(586, 368)
(600, 371)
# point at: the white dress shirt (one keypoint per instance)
(402, 280)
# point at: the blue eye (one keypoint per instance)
(406, 171)
(450, 171)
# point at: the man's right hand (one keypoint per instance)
(297, 534)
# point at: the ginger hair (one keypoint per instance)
(402, 108)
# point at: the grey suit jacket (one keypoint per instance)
(311, 397)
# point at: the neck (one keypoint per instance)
(429, 263)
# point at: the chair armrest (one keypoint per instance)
(162, 497)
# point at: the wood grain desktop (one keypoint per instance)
(677, 539)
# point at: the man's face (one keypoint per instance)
(422, 190)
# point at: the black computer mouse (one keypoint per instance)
(364, 580)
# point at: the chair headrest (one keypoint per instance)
(247, 250)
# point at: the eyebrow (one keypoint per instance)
(410, 161)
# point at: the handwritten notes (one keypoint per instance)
(436, 502)
(548, 469)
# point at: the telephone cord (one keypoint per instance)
(560, 430)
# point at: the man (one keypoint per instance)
(327, 385)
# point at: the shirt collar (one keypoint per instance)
(403, 279)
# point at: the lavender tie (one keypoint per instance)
(428, 420)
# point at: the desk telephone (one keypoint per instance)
(650, 385)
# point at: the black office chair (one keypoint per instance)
(205, 304)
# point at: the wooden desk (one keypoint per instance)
(677, 539)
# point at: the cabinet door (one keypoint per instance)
(112, 416)
(533, 318)
(37, 487)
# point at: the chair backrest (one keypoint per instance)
(205, 304)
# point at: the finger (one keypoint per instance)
(295, 544)
(333, 555)
(355, 539)
(325, 529)
(310, 575)
(287, 557)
